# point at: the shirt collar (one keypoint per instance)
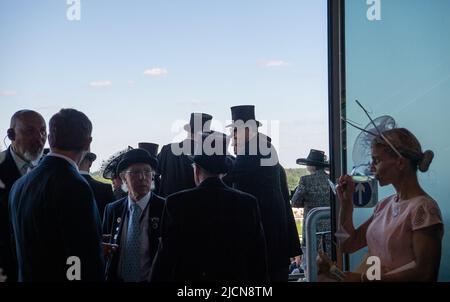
(21, 164)
(84, 172)
(71, 161)
(142, 203)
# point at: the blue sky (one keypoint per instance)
(136, 67)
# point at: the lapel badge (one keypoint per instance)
(155, 222)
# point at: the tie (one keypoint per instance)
(26, 168)
(131, 264)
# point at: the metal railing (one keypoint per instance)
(312, 219)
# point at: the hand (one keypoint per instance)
(323, 263)
(2, 277)
(345, 190)
(109, 249)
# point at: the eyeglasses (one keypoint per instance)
(380, 134)
(137, 173)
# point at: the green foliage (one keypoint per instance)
(293, 177)
(98, 176)
(299, 227)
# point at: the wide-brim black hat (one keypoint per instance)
(315, 158)
(243, 113)
(137, 156)
(213, 162)
(199, 122)
(109, 167)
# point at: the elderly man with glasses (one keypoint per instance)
(131, 224)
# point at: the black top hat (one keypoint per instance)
(109, 167)
(315, 158)
(90, 156)
(243, 113)
(151, 148)
(214, 160)
(199, 122)
(137, 156)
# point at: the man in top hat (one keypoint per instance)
(313, 191)
(211, 232)
(55, 221)
(152, 149)
(109, 168)
(102, 192)
(28, 134)
(133, 222)
(174, 164)
(256, 171)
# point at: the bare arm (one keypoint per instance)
(356, 238)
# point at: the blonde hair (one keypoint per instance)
(408, 146)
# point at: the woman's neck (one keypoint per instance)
(408, 187)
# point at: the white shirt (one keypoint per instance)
(22, 165)
(71, 161)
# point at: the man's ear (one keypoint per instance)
(50, 140)
(122, 177)
(11, 134)
(247, 133)
(87, 144)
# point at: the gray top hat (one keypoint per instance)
(150, 148)
(199, 122)
(243, 113)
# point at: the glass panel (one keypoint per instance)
(398, 64)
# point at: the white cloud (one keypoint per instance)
(100, 83)
(197, 102)
(192, 102)
(156, 72)
(8, 93)
(273, 63)
(130, 82)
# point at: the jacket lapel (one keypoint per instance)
(154, 215)
(10, 166)
(119, 218)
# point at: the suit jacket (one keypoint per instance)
(102, 192)
(54, 216)
(313, 191)
(176, 170)
(9, 173)
(211, 233)
(114, 216)
(264, 182)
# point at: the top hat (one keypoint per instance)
(199, 122)
(211, 152)
(150, 148)
(315, 158)
(243, 113)
(137, 156)
(90, 156)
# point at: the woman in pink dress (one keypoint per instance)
(405, 231)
